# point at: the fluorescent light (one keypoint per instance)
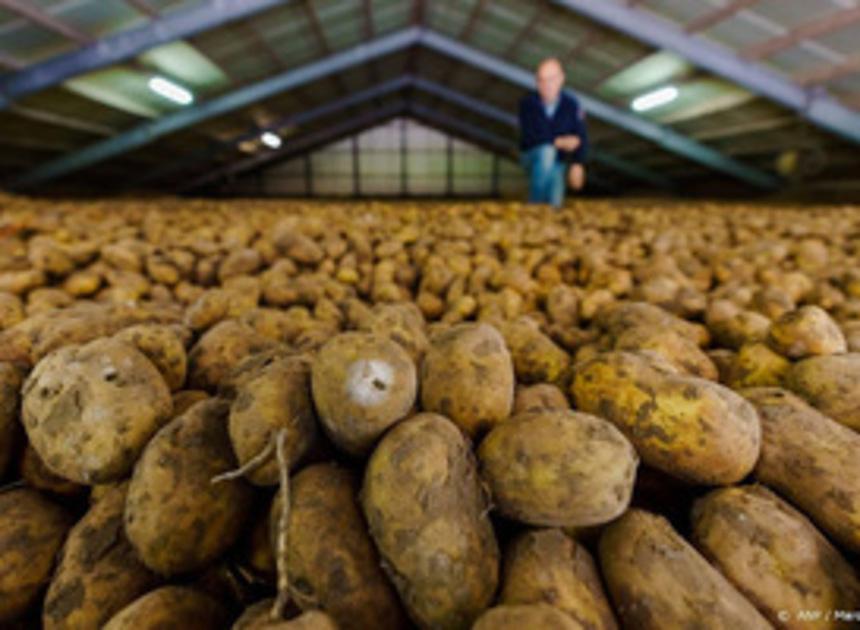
(654, 99)
(271, 140)
(171, 91)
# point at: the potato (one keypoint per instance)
(32, 530)
(658, 580)
(806, 331)
(532, 616)
(170, 608)
(271, 395)
(10, 383)
(811, 460)
(671, 345)
(690, 428)
(332, 562)
(220, 350)
(546, 566)
(77, 412)
(742, 328)
(536, 357)
(38, 476)
(468, 376)
(404, 324)
(362, 384)
(428, 516)
(161, 345)
(175, 518)
(256, 617)
(184, 399)
(558, 468)
(756, 365)
(831, 384)
(625, 315)
(11, 310)
(773, 555)
(540, 396)
(98, 573)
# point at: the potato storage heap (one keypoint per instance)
(291, 415)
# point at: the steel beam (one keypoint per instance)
(809, 30)
(301, 145)
(818, 107)
(113, 49)
(31, 12)
(661, 135)
(712, 18)
(152, 130)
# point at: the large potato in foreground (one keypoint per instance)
(362, 384)
(175, 518)
(547, 566)
(831, 384)
(774, 555)
(170, 608)
(691, 428)
(658, 581)
(468, 376)
(558, 468)
(428, 516)
(332, 562)
(531, 616)
(98, 572)
(89, 410)
(272, 396)
(32, 530)
(811, 460)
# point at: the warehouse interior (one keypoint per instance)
(767, 95)
(297, 331)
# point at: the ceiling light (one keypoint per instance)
(650, 100)
(171, 91)
(271, 140)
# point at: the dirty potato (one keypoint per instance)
(532, 616)
(536, 357)
(220, 350)
(558, 468)
(161, 345)
(89, 410)
(10, 384)
(468, 376)
(539, 396)
(362, 384)
(428, 516)
(170, 608)
(831, 384)
(806, 331)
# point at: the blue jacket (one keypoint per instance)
(568, 119)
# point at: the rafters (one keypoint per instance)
(710, 19)
(809, 30)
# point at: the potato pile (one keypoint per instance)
(258, 415)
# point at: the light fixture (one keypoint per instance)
(271, 140)
(650, 100)
(171, 91)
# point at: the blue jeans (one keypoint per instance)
(546, 175)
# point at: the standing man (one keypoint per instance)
(553, 138)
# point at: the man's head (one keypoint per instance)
(550, 79)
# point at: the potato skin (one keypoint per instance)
(658, 580)
(269, 397)
(428, 516)
(773, 555)
(161, 345)
(811, 460)
(691, 428)
(831, 384)
(10, 384)
(468, 376)
(98, 573)
(558, 468)
(32, 530)
(547, 566)
(220, 350)
(170, 608)
(806, 331)
(531, 616)
(536, 357)
(540, 396)
(256, 617)
(175, 518)
(674, 347)
(332, 562)
(362, 384)
(77, 414)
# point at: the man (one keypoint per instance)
(553, 138)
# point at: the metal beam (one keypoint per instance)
(715, 16)
(152, 130)
(114, 49)
(663, 136)
(301, 145)
(810, 30)
(828, 73)
(819, 108)
(361, 54)
(31, 12)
